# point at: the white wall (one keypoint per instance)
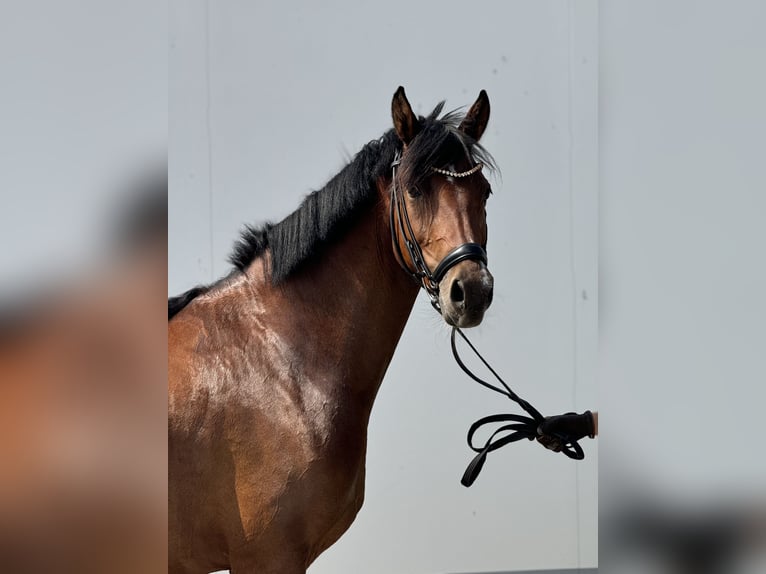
(76, 129)
(683, 315)
(682, 270)
(267, 99)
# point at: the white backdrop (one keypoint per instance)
(683, 205)
(267, 100)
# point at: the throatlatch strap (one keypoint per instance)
(521, 427)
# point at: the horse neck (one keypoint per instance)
(354, 304)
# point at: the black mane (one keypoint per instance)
(175, 304)
(328, 213)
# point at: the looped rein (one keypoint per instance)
(521, 427)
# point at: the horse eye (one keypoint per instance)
(414, 191)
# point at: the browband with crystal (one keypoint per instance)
(471, 171)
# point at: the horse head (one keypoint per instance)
(438, 212)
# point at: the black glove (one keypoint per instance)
(555, 432)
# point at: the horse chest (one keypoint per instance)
(305, 482)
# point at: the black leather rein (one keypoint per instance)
(521, 427)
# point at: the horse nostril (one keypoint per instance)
(456, 292)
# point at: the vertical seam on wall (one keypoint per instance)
(209, 137)
(572, 268)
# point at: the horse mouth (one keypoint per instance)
(464, 319)
(449, 318)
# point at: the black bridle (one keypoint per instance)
(520, 427)
(400, 219)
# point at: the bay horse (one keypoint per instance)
(273, 370)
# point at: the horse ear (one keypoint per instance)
(406, 122)
(475, 121)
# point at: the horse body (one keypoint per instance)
(281, 418)
(271, 386)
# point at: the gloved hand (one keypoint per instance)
(554, 432)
